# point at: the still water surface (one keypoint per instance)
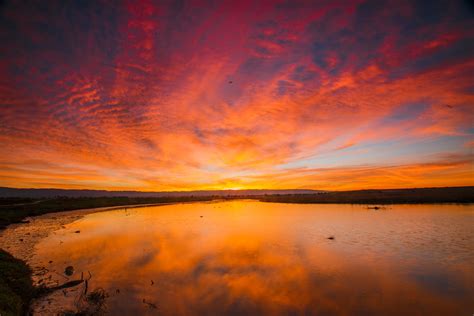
(247, 257)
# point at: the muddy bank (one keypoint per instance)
(16, 210)
(19, 240)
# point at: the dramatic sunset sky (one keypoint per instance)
(186, 95)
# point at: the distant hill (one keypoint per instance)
(51, 193)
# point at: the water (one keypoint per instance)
(247, 257)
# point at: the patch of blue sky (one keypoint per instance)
(396, 152)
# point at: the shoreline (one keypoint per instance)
(16, 254)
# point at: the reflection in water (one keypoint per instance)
(246, 257)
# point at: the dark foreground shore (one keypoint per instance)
(16, 288)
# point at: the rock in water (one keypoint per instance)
(69, 270)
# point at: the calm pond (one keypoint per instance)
(248, 257)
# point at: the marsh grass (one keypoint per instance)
(387, 196)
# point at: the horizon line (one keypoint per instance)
(237, 190)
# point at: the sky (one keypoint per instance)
(193, 95)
